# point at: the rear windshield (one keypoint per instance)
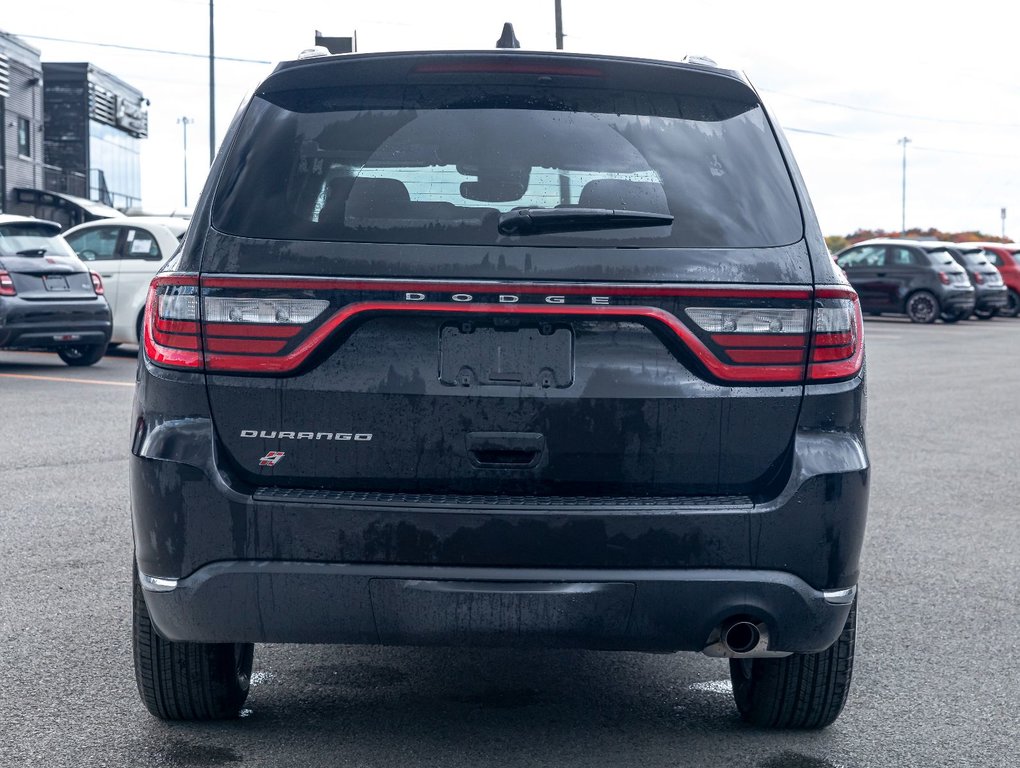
(441, 165)
(974, 258)
(32, 239)
(941, 257)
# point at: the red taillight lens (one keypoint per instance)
(6, 284)
(944, 278)
(171, 337)
(773, 340)
(97, 283)
(186, 329)
(837, 344)
(258, 334)
(978, 278)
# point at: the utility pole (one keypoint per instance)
(559, 25)
(1003, 214)
(185, 121)
(903, 223)
(212, 88)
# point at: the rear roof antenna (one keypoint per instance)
(508, 39)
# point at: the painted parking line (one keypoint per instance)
(68, 379)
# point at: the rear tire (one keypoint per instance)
(805, 690)
(986, 314)
(953, 316)
(1013, 308)
(84, 354)
(187, 681)
(922, 307)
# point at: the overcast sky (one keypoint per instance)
(846, 80)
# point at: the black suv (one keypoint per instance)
(921, 280)
(501, 348)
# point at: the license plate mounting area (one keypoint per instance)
(471, 355)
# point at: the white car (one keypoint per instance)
(126, 252)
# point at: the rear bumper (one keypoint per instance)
(993, 298)
(305, 566)
(53, 324)
(958, 301)
(647, 610)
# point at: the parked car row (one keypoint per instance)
(928, 279)
(81, 291)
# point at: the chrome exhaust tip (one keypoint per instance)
(740, 638)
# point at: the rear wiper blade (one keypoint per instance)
(32, 252)
(526, 221)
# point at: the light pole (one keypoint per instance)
(903, 223)
(212, 87)
(185, 121)
(559, 24)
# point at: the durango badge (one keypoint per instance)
(271, 459)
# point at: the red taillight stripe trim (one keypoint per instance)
(175, 340)
(766, 356)
(834, 339)
(244, 346)
(738, 340)
(792, 374)
(829, 354)
(836, 293)
(572, 289)
(252, 330)
(176, 326)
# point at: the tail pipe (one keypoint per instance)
(740, 638)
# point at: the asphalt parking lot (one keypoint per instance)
(935, 683)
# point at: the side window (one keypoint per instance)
(865, 256)
(140, 244)
(899, 256)
(993, 257)
(99, 244)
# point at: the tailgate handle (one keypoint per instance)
(505, 450)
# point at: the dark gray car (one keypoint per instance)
(990, 292)
(907, 277)
(48, 297)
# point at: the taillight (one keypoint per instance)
(782, 345)
(758, 337)
(185, 329)
(171, 335)
(979, 278)
(97, 283)
(255, 334)
(837, 342)
(249, 324)
(6, 284)
(944, 278)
